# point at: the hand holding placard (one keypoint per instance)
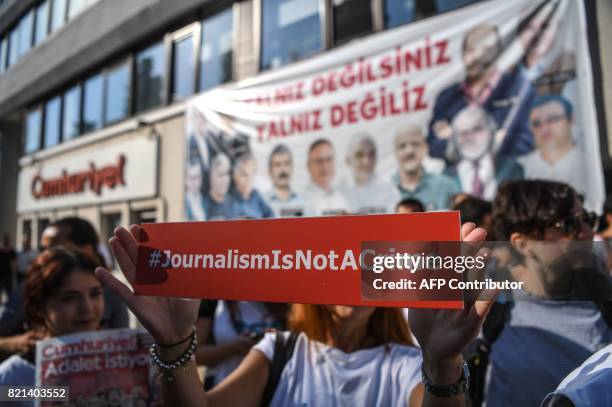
(444, 334)
(168, 320)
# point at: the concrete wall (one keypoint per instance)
(104, 31)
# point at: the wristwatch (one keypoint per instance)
(447, 390)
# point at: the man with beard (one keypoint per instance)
(562, 314)
(365, 192)
(432, 190)
(284, 201)
(321, 196)
(478, 170)
(484, 86)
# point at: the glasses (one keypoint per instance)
(573, 224)
(537, 123)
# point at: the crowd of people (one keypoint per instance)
(547, 344)
(542, 344)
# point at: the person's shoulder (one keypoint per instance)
(406, 362)
(443, 181)
(406, 351)
(266, 345)
(529, 157)
(449, 92)
(17, 371)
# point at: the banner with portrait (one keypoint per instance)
(457, 103)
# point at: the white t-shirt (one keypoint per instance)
(570, 169)
(376, 196)
(251, 316)
(320, 202)
(16, 371)
(591, 383)
(320, 375)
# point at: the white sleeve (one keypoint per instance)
(266, 345)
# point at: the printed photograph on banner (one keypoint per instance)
(420, 113)
(110, 367)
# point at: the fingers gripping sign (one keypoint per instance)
(167, 319)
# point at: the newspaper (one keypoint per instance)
(101, 368)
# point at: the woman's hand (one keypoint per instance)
(444, 334)
(168, 320)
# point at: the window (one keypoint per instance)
(72, 109)
(32, 131)
(143, 216)
(13, 54)
(42, 22)
(92, 104)
(398, 12)
(25, 33)
(291, 30)
(446, 5)
(117, 91)
(216, 51)
(351, 19)
(183, 68)
(58, 14)
(3, 52)
(150, 77)
(52, 121)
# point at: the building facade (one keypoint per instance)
(92, 92)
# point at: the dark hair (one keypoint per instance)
(473, 209)
(607, 206)
(279, 149)
(318, 143)
(78, 232)
(546, 99)
(47, 274)
(414, 204)
(529, 207)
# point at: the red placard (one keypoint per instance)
(227, 259)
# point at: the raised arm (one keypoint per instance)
(444, 335)
(171, 321)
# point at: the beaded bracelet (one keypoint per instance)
(167, 368)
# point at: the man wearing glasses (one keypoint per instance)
(556, 157)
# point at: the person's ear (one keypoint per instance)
(520, 242)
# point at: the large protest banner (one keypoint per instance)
(102, 368)
(464, 101)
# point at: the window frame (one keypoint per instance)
(83, 82)
(129, 60)
(79, 85)
(235, 7)
(193, 30)
(325, 22)
(60, 121)
(40, 109)
(133, 88)
(36, 7)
